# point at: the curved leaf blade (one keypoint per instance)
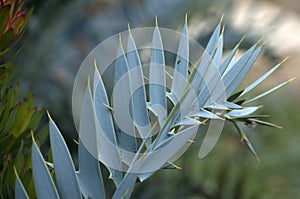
(139, 112)
(245, 139)
(261, 79)
(239, 70)
(157, 79)
(43, 183)
(98, 142)
(122, 108)
(66, 178)
(89, 176)
(269, 91)
(243, 112)
(20, 192)
(205, 114)
(181, 64)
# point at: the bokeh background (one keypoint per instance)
(62, 33)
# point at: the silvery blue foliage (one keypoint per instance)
(176, 126)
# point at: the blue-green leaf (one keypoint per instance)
(187, 121)
(161, 157)
(96, 130)
(243, 112)
(231, 105)
(261, 79)
(167, 149)
(269, 91)
(101, 105)
(219, 51)
(20, 192)
(172, 118)
(217, 106)
(265, 123)
(213, 41)
(181, 64)
(207, 74)
(122, 105)
(230, 59)
(139, 112)
(44, 186)
(205, 114)
(206, 60)
(235, 75)
(157, 79)
(89, 176)
(126, 186)
(66, 178)
(245, 139)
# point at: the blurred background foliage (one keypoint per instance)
(18, 114)
(62, 33)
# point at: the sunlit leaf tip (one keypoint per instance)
(128, 26)
(186, 18)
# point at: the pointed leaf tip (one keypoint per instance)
(223, 29)
(48, 114)
(292, 79)
(120, 38)
(221, 19)
(186, 18)
(284, 60)
(95, 63)
(32, 136)
(128, 26)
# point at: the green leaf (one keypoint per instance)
(10, 121)
(17, 24)
(157, 79)
(20, 192)
(43, 182)
(269, 91)
(5, 40)
(4, 14)
(26, 19)
(66, 178)
(20, 159)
